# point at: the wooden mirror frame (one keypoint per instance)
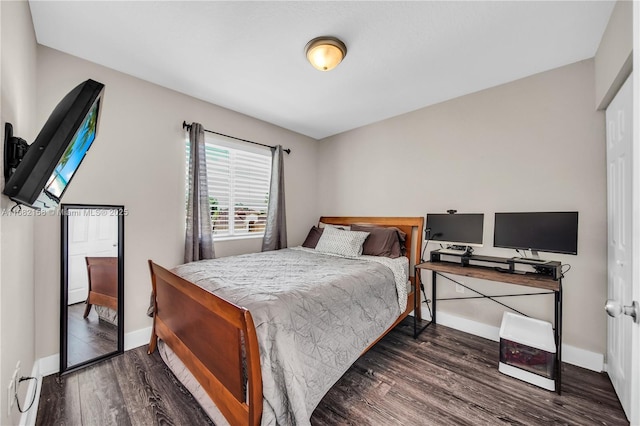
(64, 280)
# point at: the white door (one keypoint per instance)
(620, 347)
(91, 233)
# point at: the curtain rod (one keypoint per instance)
(188, 127)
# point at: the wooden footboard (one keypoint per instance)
(102, 278)
(206, 332)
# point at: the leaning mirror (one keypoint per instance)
(92, 277)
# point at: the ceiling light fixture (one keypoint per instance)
(325, 53)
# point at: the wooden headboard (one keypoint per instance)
(412, 226)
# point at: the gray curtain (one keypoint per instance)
(275, 233)
(198, 242)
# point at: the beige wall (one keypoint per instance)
(536, 144)
(16, 232)
(613, 60)
(138, 161)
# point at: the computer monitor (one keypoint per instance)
(459, 229)
(553, 232)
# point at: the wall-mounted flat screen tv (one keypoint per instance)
(41, 177)
(553, 232)
(464, 229)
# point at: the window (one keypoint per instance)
(238, 180)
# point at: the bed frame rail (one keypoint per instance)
(206, 333)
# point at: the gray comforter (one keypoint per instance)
(314, 315)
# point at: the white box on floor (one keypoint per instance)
(528, 350)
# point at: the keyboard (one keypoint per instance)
(456, 252)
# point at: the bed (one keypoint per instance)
(253, 356)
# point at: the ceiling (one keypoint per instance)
(249, 56)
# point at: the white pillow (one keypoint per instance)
(342, 243)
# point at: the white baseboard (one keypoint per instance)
(137, 338)
(469, 326)
(49, 365)
(583, 358)
(570, 354)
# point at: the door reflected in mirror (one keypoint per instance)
(92, 284)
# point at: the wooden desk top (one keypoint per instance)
(491, 274)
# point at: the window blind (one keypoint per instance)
(238, 182)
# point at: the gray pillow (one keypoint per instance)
(382, 241)
(312, 237)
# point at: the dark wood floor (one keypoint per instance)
(445, 377)
(90, 337)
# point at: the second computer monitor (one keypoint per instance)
(459, 229)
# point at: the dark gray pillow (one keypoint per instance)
(312, 237)
(382, 241)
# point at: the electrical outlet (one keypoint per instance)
(459, 288)
(11, 389)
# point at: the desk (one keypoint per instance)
(533, 280)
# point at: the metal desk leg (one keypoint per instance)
(416, 302)
(416, 291)
(558, 336)
(433, 295)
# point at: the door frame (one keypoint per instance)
(634, 416)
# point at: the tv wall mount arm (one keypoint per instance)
(15, 149)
